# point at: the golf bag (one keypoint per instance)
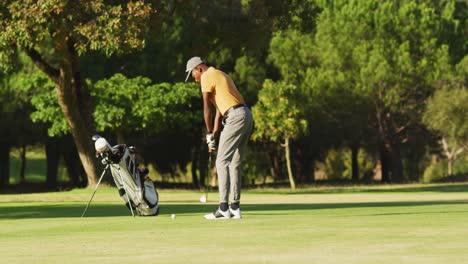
(135, 187)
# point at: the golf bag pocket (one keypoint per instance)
(150, 195)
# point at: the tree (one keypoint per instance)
(249, 75)
(115, 99)
(232, 35)
(8, 110)
(278, 117)
(54, 33)
(162, 114)
(387, 54)
(26, 132)
(446, 113)
(49, 122)
(16, 128)
(291, 51)
(170, 117)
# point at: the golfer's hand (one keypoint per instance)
(211, 142)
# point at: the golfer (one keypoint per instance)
(219, 89)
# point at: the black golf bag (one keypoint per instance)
(135, 187)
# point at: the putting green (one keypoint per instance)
(388, 224)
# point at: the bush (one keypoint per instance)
(434, 172)
(338, 165)
(437, 172)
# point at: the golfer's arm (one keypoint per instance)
(207, 112)
(217, 122)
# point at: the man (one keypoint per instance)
(219, 89)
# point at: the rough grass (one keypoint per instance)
(388, 224)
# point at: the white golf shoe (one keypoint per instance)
(218, 214)
(235, 214)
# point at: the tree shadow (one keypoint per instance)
(58, 211)
(377, 188)
(111, 210)
(322, 206)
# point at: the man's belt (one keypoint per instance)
(232, 108)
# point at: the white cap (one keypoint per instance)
(191, 64)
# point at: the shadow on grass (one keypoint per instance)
(110, 210)
(318, 187)
(377, 188)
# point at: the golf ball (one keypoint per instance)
(203, 199)
(173, 216)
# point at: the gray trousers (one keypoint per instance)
(232, 142)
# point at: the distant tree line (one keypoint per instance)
(349, 88)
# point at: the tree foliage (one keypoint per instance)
(116, 99)
(54, 33)
(344, 74)
(278, 114)
(249, 75)
(278, 117)
(292, 53)
(446, 113)
(44, 101)
(385, 56)
(91, 25)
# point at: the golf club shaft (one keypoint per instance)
(207, 183)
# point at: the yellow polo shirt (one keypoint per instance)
(224, 93)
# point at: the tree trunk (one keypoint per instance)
(384, 163)
(354, 162)
(73, 97)
(312, 170)
(450, 162)
(451, 154)
(275, 164)
(4, 165)
(75, 100)
(75, 169)
(23, 164)
(309, 175)
(288, 164)
(120, 136)
(72, 162)
(392, 165)
(303, 164)
(397, 164)
(392, 168)
(52, 156)
(81, 136)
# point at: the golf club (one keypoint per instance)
(207, 181)
(204, 197)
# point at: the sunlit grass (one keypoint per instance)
(384, 225)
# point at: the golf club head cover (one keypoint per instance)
(101, 145)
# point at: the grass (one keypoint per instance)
(36, 167)
(354, 225)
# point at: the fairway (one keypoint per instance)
(390, 224)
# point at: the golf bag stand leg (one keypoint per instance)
(126, 193)
(95, 189)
